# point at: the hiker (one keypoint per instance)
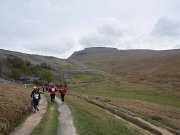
(46, 88)
(43, 87)
(52, 90)
(35, 94)
(62, 91)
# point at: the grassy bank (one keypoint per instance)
(49, 123)
(15, 106)
(92, 120)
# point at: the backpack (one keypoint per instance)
(36, 95)
(53, 89)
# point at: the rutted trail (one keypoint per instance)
(66, 126)
(141, 130)
(128, 116)
(33, 120)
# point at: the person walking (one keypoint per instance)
(43, 88)
(52, 90)
(62, 91)
(35, 94)
(46, 88)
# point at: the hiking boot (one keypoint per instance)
(37, 109)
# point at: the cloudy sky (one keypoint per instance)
(60, 27)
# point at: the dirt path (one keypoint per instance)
(66, 126)
(33, 120)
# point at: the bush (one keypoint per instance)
(46, 75)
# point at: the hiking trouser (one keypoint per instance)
(52, 97)
(35, 103)
(62, 97)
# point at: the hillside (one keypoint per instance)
(154, 66)
(14, 107)
(35, 59)
(146, 82)
(16, 64)
(134, 65)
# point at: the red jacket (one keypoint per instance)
(63, 90)
(52, 89)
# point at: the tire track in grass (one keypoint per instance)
(134, 119)
(131, 125)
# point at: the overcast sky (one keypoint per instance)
(60, 27)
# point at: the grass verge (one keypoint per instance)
(49, 123)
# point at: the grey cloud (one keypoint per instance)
(112, 27)
(92, 40)
(38, 25)
(55, 46)
(108, 33)
(177, 46)
(166, 27)
(33, 27)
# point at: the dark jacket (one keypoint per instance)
(35, 94)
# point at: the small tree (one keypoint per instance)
(46, 75)
(15, 74)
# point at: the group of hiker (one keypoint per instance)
(52, 89)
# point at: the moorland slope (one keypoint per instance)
(136, 65)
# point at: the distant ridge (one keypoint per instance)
(88, 52)
(104, 52)
(95, 50)
(152, 65)
(33, 58)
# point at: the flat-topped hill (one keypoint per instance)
(156, 66)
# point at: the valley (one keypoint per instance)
(144, 83)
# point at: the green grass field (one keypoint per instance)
(152, 100)
(129, 90)
(85, 77)
(92, 120)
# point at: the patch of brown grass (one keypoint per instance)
(15, 104)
